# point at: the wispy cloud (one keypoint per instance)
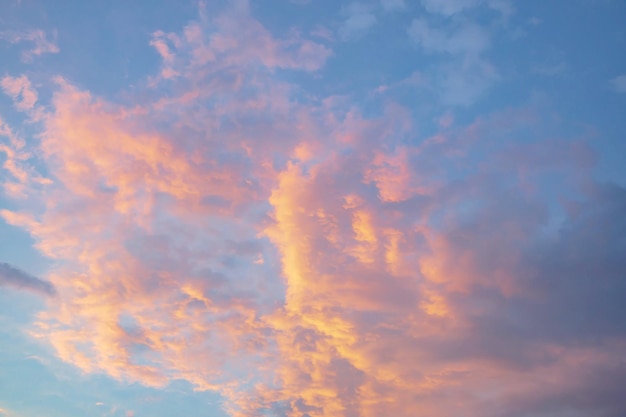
(467, 39)
(16, 278)
(450, 8)
(393, 5)
(465, 74)
(450, 28)
(619, 83)
(20, 90)
(41, 43)
(359, 19)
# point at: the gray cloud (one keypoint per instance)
(13, 277)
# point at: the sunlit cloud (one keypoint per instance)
(20, 90)
(241, 225)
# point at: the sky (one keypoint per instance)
(312, 208)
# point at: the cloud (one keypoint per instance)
(221, 43)
(448, 7)
(358, 21)
(466, 84)
(20, 90)
(452, 7)
(41, 44)
(393, 5)
(468, 39)
(18, 159)
(473, 271)
(467, 75)
(135, 190)
(619, 84)
(392, 307)
(13, 277)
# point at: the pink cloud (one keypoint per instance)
(401, 274)
(234, 40)
(20, 90)
(41, 44)
(18, 163)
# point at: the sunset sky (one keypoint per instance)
(312, 208)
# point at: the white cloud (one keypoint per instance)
(452, 7)
(466, 75)
(505, 7)
(468, 39)
(550, 70)
(359, 20)
(619, 83)
(464, 85)
(448, 7)
(393, 5)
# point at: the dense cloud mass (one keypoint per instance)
(303, 255)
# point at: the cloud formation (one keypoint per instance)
(465, 74)
(20, 90)
(15, 278)
(359, 19)
(39, 39)
(302, 254)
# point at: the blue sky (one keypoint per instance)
(312, 208)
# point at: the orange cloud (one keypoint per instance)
(300, 259)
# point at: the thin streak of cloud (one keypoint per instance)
(11, 276)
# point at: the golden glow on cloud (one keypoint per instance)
(284, 253)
